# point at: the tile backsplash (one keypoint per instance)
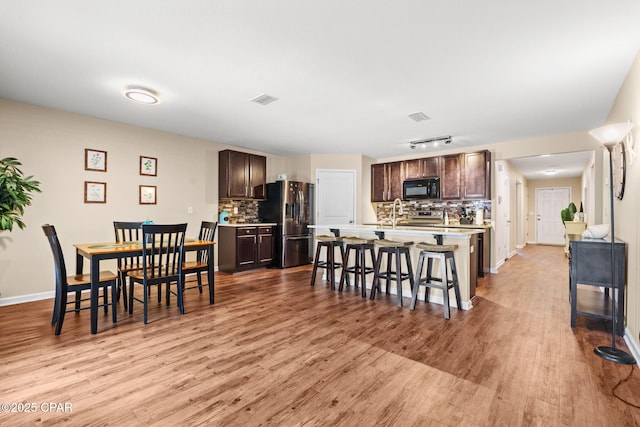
(247, 210)
(454, 208)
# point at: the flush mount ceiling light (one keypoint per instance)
(550, 171)
(433, 141)
(142, 95)
(418, 117)
(264, 99)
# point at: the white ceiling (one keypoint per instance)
(566, 165)
(347, 73)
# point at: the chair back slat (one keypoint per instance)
(127, 231)
(207, 232)
(162, 251)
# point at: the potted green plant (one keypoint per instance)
(15, 193)
(568, 213)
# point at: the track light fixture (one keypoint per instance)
(434, 141)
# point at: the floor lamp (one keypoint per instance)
(609, 136)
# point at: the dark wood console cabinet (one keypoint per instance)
(244, 248)
(590, 264)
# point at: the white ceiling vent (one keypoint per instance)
(418, 117)
(264, 99)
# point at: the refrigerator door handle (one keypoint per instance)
(301, 207)
(297, 238)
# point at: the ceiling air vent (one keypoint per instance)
(264, 99)
(418, 117)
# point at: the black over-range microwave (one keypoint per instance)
(426, 188)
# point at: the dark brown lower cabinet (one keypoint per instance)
(244, 248)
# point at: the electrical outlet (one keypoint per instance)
(190, 210)
(235, 209)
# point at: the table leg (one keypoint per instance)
(95, 284)
(79, 268)
(210, 276)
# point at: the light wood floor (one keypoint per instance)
(274, 351)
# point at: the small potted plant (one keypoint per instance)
(15, 193)
(568, 213)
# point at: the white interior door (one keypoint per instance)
(549, 203)
(507, 216)
(335, 197)
(501, 241)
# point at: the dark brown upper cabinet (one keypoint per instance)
(241, 175)
(462, 176)
(451, 176)
(422, 168)
(386, 181)
(477, 178)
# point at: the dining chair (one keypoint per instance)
(76, 283)
(127, 232)
(162, 258)
(207, 232)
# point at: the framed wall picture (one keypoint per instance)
(147, 194)
(95, 192)
(95, 160)
(148, 166)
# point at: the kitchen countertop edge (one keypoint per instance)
(402, 230)
(259, 224)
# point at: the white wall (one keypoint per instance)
(627, 107)
(50, 144)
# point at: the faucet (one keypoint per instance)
(393, 212)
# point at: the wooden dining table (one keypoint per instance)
(96, 252)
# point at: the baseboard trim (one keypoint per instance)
(633, 345)
(40, 296)
(26, 298)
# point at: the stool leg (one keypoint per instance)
(372, 253)
(356, 269)
(315, 265)
(407, 255)
(330, 269)
(342, 264)
(456, 284)
(388, 275)
(429, 277)
(362, 273)
(398, 276)
(344, 270)
(416, 286)
(376, 276)
(445, 288)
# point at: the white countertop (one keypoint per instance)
(387, 224)
(248, 224)
(458, 232)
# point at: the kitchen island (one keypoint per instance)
(465, 238)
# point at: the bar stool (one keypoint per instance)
(443, 253)
(330, 243)
(360, 247)
(394, 250)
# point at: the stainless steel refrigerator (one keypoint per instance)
(290, 205)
